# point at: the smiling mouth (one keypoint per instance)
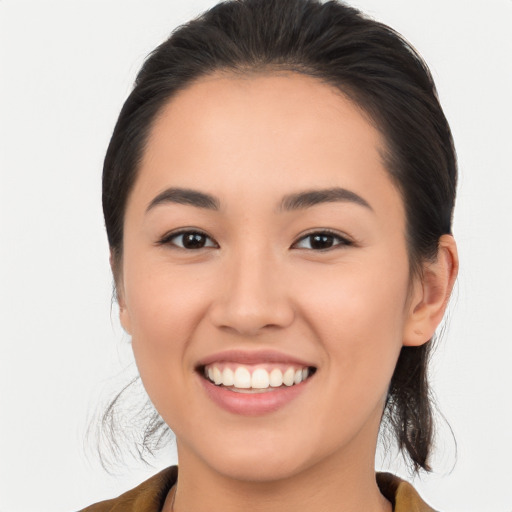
(255, 378)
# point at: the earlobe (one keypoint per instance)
(124, 316)
(431, 294)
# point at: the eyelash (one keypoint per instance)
(168, 239)
(342, 241)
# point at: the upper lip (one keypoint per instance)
(252, 357)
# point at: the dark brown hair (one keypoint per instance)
(373, 66)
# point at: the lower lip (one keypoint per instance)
(252, 404)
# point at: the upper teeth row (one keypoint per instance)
(259, 379)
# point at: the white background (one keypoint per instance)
(65, 68)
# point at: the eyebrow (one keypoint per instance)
(310, 198)
(296, 201)
(185, 196)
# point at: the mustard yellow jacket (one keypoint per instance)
(151, 494)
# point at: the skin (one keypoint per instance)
(249, 141)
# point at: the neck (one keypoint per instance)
(327, 486)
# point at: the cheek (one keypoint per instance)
(165, 311)
(165, 308)
(358, 315)
(358, 294)
(359, 326)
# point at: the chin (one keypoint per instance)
(264, 469)
(261, 458)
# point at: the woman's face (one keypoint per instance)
(264, 234)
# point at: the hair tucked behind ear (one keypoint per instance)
(372, 65)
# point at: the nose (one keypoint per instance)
(253, 295)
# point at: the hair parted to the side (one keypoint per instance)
(373, 66)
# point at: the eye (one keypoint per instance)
(321, 241)
(188, 240)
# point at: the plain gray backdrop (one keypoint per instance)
(65, 69)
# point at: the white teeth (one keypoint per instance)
(217, 376)
(276, 378)
(242, 378)
(228, 377)
(289, 377)
(260, 378)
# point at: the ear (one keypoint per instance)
(124, 315)
(431, 293)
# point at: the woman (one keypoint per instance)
(278, 195)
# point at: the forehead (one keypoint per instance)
(270, 103)
(263, 134)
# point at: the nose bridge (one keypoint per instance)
(254, 295)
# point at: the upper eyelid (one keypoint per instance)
(325, 231)
(173, 234)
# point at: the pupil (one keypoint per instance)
(321, 241)
(193, 241)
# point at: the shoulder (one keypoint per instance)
(149, 496)
(401, 494)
